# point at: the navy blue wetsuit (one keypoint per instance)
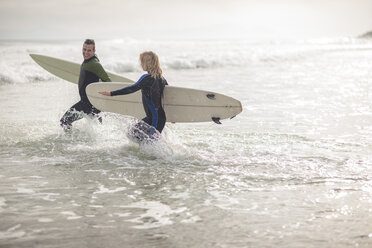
(152, 92)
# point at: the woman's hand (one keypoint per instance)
(106, 93)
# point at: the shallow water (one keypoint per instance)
(292, 170)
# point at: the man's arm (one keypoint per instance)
(101, 73)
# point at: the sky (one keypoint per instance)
(183, 19)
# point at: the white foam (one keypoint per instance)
(122, 214)
(96, 206)
(71, 215)
(156, 214)
(25, 191)
(2, 204)
(191, 220)
(48, 196)
(104, 190)
(45, 220)
(12, 233)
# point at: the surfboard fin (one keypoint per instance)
(216, 120)
(211, 96)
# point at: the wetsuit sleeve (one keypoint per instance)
(101, 73)
(97, 69)
(130, 89)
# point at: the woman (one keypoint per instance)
(151, 85)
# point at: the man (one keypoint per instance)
(91, 71)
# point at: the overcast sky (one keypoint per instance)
(183, 19)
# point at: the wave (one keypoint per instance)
(121, 56)
(22, 73)
(367, 35)
(121, 67)
(181, 64)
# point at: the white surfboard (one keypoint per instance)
(180, 104)
(68, 70)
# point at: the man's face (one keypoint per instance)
(88, 51)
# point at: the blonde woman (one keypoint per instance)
(151, 85)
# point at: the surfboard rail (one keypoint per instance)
(68, 70)
(180, 104)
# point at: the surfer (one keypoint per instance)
(151, 85)
(91, 71)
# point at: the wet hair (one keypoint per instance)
(90, 42)
(150, 63)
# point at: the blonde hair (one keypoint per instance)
(150, 63)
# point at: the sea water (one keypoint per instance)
(294, 169)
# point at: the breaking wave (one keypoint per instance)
(121, 56)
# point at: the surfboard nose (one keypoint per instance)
(37, 58)
(34, 56)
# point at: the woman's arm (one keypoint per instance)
(126, 90)
(106, 93)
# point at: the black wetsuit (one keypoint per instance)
(91, 71)
(152, 92)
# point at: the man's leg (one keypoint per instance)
(71, 115)
(95, 112)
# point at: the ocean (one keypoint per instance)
(294, 169)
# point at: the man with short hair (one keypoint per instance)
(91, 71)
